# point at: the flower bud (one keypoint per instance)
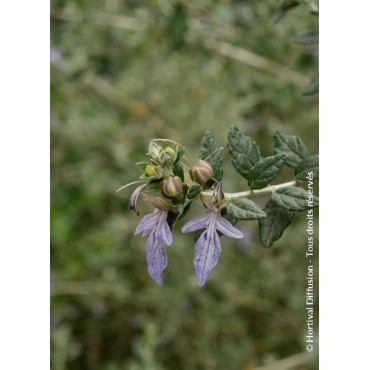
(154, 150)
(158, 202)
(167, 157)
(151, 170)
(202, 172)
(171, 152)
(172, 187)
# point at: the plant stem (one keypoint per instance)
(267, 190)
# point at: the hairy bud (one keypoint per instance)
(151, 170)
(172, 187)
(202, 172)
(171, 152)
(163, 157)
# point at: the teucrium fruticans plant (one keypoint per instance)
(171, 183)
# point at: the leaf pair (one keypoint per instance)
(248, 161)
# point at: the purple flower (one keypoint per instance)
(208, 247)
(156, 225)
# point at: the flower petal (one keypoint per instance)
(165, 233)
(134, 197)
(156, 256)
(207, 252)
(197, 223)
(226, 228)
(148, 223)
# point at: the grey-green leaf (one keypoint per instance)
(294, 198)
(293, 146)
(307, 37)
(266, 170)
(210, 152)
(271, 227)
(308, 169)
(312, 87)
(216, 161)
(244, 209)
(244, 152)
(208, 145)
(194, 190)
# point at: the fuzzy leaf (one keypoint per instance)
(308, 37)
(178, 169)
(194, 190)
(293, 146)
(207, 146)
(308, 165)
(266, 170)
(216, 160)
(244, 209)
(244, 152)
(272, 226)
(294, 198)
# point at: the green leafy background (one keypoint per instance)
(124, 72)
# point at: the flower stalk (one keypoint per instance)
(246, 194)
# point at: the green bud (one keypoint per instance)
(202, 172)
(172, 187)
(171, 152)
(163, 157)
(151, 170)
(167, 158)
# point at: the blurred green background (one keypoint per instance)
(122, 73)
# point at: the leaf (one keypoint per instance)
(307, 37)
(306, 166)
(312, 87)
(244, 209)
(293, 146)
(294, 198)
(207, 146)
(272, 226)
(216, 160)
(178, 169)
(244, 152)
(210, 152)
(194, 190)
(266, 170)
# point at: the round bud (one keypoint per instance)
(172, 187)
(167, 157)
(171, 152)
(151, 170)
(202, 172)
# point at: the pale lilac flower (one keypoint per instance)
(156, 225)
(208, 247)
